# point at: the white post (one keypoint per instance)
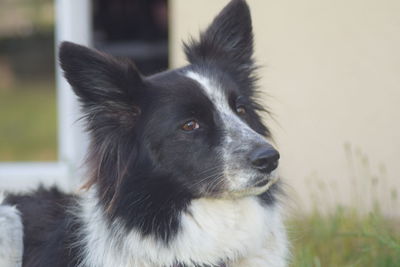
(73, 23)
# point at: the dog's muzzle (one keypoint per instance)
(263, 160)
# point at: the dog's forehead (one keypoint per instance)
(193, 85)
(212, 87)
(219, 89)
(173, 83)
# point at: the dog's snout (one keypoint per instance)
(264, 159)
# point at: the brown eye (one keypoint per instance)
(241, 110)
(190, 125)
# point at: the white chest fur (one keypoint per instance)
(241, 232)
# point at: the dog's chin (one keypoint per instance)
(255, 189)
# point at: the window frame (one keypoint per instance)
(73, 22)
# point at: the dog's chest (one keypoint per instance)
(213, 233)
(217, 231)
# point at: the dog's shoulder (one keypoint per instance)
(48, 226)
(39, 198)
(40, 209)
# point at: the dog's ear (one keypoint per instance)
(228, 38)
(108, 89)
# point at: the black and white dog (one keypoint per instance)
(180, 169)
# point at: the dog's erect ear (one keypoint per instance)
(106, 87)
(229, 37)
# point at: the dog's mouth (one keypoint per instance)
(262, 182)
(258, 188)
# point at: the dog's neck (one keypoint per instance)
(212, 231)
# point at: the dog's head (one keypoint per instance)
(193, 131)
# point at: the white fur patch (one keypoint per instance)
(11, 237)
(239, 137)
(242, 232)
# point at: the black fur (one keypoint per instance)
(49, 232)
(145, 168)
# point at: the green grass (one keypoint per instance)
(346, 239)
(28, 130)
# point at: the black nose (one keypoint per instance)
(264, 159)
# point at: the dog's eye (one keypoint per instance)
(190, 126)
(240, 106)
(241, 110)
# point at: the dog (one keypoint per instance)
(181, 172)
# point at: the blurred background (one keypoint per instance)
(330, 71)
(27, 88)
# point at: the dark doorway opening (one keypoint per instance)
(137, 29)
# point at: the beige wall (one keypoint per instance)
(332, 73)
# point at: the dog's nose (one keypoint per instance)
(264, 158)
